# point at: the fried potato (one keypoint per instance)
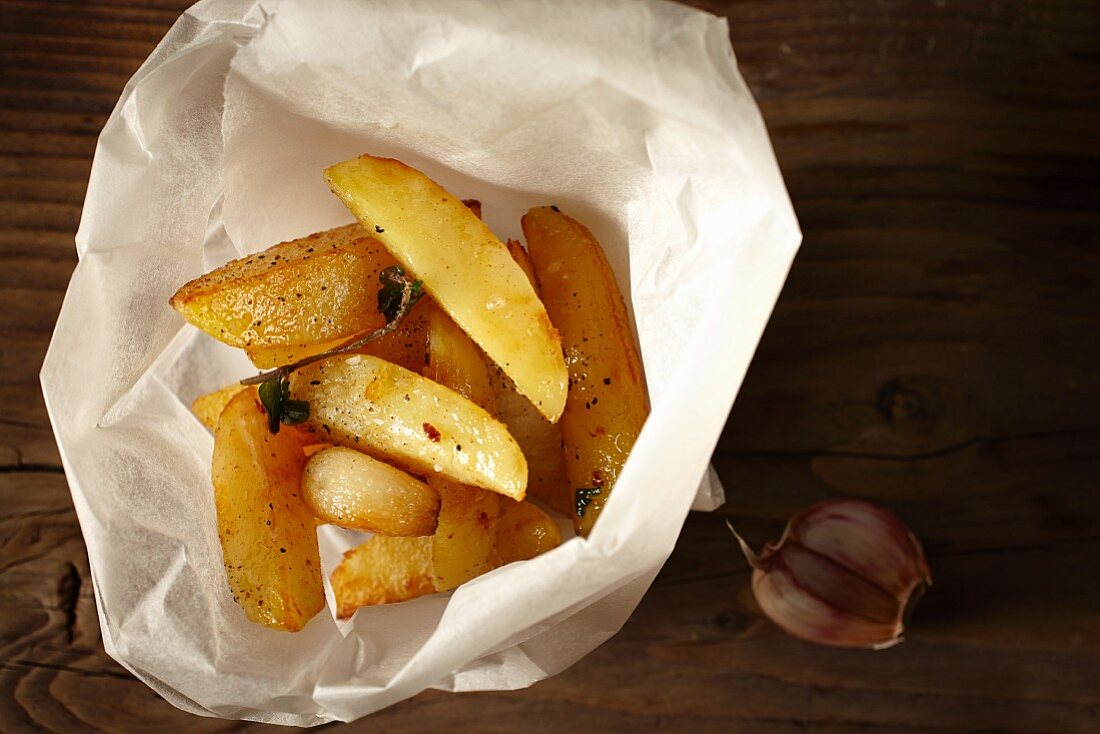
(208, 408)
(268, 536)
(296, 296)
(462, 547)
(352, 490)
(515, 249)
(365, 403)
(539, 438)
(464, 267)
(383, 570)
(523, 532)
(607, 397)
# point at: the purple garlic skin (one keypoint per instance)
(845, 573)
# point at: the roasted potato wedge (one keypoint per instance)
(284, 302)
(368, 404)
(539, 438)
(515, 249)
(268, 536)
(607, 397)
(352, 490)
(208, 408)
(462, 547)
(383, 570)
(464, 267)
(523, 532)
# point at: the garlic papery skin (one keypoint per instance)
(845, 573)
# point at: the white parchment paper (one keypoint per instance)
(628, 114)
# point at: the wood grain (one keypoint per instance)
(934, 350)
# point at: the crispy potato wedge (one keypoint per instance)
(268, 536)
(208, 408)
(523, 532)
(320, 289)
(539, 438)
(607, 397)
(352, 490)
(366, 403)
(515, 249)
(541, 442)
(462, 547)
(383, 570)
(464, 267)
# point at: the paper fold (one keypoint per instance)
(628, 114)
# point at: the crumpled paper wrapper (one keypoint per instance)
(629, 115)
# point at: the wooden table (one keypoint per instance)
(934, 350)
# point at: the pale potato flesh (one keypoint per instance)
(350, 489)
(466, 269)
(268, 535)
(383, 570)
(282, 302)
(208, 408)
(371, 405)
(607, 397)
(523, 532)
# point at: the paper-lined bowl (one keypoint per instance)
(630, 115)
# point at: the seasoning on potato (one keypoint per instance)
(422, 376)
(607, 397)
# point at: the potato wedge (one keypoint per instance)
(268, 536)
(462, 547)
(208, 408)
(352, 490)
(366, 403)
(382, 570)
(539, 438)
(515, 249)
(541, 442)
(523, 532)
(296, 295)
(607, 397)
(464, 267)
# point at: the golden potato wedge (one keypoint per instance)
(523, 532)
(515, 249)
(607, 397)
(296, 295)
(539, 438)
(541, 442)
(383, 570)
(462, 547)
(464, 267)
(268, 536)
(368, 404)
(352, 490)
(207, 408)
(454, 361)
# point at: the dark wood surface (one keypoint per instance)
(934, 350)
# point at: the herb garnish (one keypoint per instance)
(583, 498)
(393, 288)
(397, 296)
(275, 396)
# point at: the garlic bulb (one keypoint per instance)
(845, 573)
